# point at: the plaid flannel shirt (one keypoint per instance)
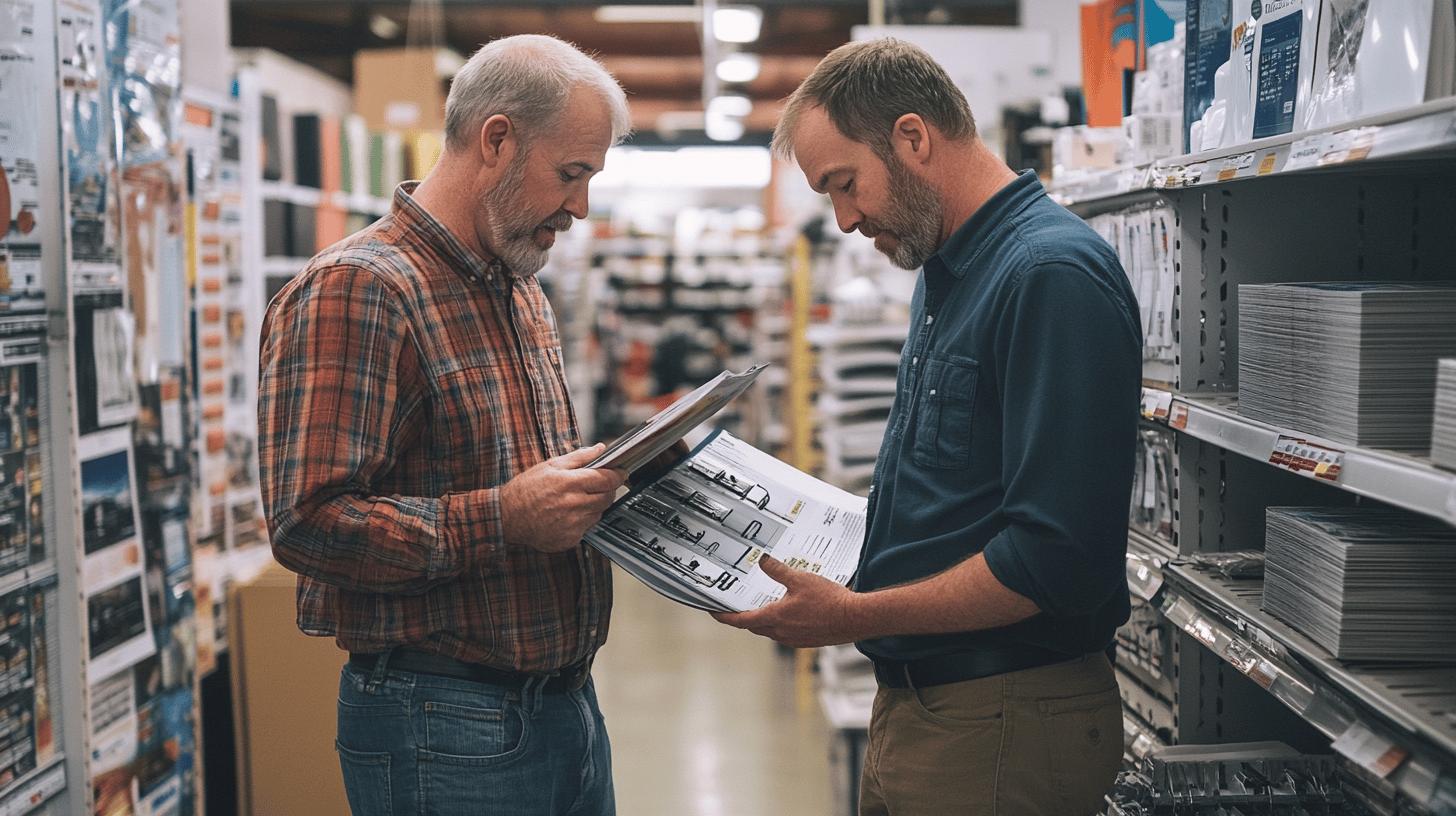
(403, 379)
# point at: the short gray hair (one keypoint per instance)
(527, 78)
(866, 86)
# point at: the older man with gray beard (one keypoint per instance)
(421, 462)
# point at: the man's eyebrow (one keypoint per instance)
(824, 178)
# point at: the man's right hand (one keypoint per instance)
(552, 505)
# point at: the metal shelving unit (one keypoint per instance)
(1409, 482)
(1396, 722)
(1420, 133)
(1367, 200)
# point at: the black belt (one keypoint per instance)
(959, 667)
(570, 678)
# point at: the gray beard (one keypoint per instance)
(915, 218)
(511, 231)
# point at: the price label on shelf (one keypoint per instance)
(1306, 152)
(1305, 457)
(1233, 165)
(1369, 750)
(1156, 404)
(1268, 163)
(1178, 415)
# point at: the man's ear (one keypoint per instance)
(911, 139)
(497, 140)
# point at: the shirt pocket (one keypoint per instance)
(945, 412)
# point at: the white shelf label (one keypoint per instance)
(1156, 404)
(1369, 750)
(1307, 458)
(1178, 415)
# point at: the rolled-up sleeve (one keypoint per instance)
(341, 393)
(1070, 374)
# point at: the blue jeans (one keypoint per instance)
(413, 743)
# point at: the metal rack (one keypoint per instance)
(1369, 200)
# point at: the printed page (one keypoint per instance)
(697, 533)
(643, 443)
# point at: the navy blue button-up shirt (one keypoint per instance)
(1014, 428)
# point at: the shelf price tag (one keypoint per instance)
(1306, 152)
(1268, 163)
(1156, 404)
(1178, 415)
(1233, 165)
(1307, 458)
(1369, 750)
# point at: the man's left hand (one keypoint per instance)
(814, 611)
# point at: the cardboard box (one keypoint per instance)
(399, 89)
(285, 693)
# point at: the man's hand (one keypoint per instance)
(814, 611)
(552, 505)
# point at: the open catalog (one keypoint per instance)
(695, 534)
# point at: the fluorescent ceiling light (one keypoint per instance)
(730, 106)
(738, 68)
(722, 127)
(737, 24)
(648, 14)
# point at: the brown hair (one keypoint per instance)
(866, 86)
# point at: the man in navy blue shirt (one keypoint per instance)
(992, 580)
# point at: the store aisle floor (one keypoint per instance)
(703, 718)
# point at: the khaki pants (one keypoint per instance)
(1040, 742)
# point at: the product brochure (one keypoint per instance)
(696, 533)
(645, 442)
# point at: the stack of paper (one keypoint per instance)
(1443, 435)
(1351, 362)
(1365, 583)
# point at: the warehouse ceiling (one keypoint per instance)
(660, 63)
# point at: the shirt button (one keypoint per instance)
(914, 361)
(932, 392)
(472, 278)
(929, 319)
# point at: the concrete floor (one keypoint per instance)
(706, 720)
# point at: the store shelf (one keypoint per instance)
(1409, 482)
(293, 193)
(28, 793)
(1425, 132)
(1139, 738)
(1396, 722)
(847, 709)
(280, 265)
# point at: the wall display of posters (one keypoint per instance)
(21, 286)
(109, 520)
(22, 517)
(113, 578)
(113, 735)
(152, 252)
(17, 736)
(214, 223)
(144, 51)
(42, 600)
(118, 629)
(16, 639)
(162, 436)
(113, 332)
(91, 175)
